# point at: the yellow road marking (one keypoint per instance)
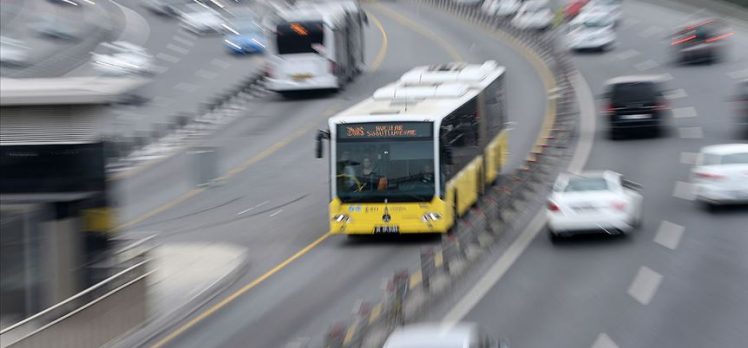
(379, 59)
(415, 280)
(376, 312)
(453, 53)
(210, 311)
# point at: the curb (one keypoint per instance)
(160, 324)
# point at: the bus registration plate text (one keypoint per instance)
(386, 229)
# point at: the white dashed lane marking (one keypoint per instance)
(666, 77)
(645, 285)
(205, 74)
(688, 158)
(627, 54)
(220, 63)
(603, 341)
(167, 57)
(686, 112)
(252, 208)
(181, 40)
(276, 212)
(160, 69)
(646, 65)
(178, 49)
(740, 74)
(683, 190)
(677, 94)
(691, 132)
(186, 87)
(669, 235)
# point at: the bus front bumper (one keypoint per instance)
(312, 83)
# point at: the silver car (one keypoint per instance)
(436, 335)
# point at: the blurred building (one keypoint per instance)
(56, 215)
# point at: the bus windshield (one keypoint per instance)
(385, 166)
(299, 37)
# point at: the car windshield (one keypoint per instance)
(625, 93)
(583, 184)
(299, 37)
(373, 167)
(733, 158)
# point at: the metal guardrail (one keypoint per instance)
(87, 319)
(497, 212)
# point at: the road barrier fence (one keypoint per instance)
(408, 293)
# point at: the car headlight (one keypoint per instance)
(428, 217)
(341, 218)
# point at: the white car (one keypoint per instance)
(534, 14)
(13, 52)
(720, 175)
(612, 9)
(436, 335)
(201, 19)
(501, 8)
(594, 202)
(590, 31)
(122, 58)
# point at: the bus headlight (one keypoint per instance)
(341, 218)
(428, 217)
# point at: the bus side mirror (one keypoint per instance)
(321, 134)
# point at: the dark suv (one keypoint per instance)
(700, 42)
(635, 104)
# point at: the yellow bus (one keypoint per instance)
(417, 154)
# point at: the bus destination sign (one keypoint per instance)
(384, 130)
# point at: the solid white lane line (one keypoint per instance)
(186, 87)
(183, 41)
(167, 57)
(688, 157)
(603, 341)
(645, 285)
(737, 75)
(205, 74)
(496, 272)
(691, 132)
(276, 213)
(651, 31)
(220, 63)
(178, 49)
(683, 190)
(669, 235)
(630, 53)
(646, 65)
(252, 208)
(518, 246)
(677, 94)
(686, 112)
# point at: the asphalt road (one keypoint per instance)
(190, 70)
(274, 198)
(682, 280)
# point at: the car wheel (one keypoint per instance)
(710, 207)
(614, 135)
(553, 237)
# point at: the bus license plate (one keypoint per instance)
(386, 229)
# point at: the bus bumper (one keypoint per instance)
(313, 83)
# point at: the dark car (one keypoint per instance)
(700, 42)
(741, 102)
(634, 104)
